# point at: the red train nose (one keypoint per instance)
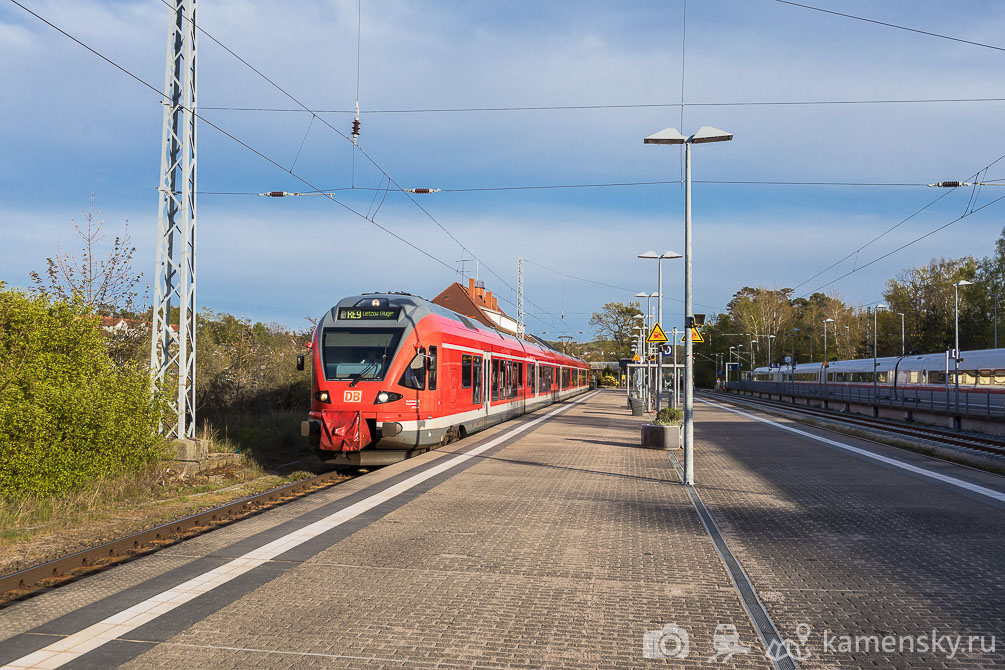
(345, 431)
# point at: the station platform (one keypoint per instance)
(554, 541)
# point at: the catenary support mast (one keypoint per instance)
(172, 349)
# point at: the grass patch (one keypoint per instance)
(37, 529)
(268, 439)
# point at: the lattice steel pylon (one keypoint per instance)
(172, 352)
(521, 316)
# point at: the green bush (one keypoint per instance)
(67, 413)
(669, 416)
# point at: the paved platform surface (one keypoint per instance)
(561, 546)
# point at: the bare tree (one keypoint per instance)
(101, 284)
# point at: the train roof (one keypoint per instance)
(398, 306)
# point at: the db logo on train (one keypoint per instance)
(352, 396)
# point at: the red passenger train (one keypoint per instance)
(395, 375)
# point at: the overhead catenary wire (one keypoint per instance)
(969, 212)
(600, 283)
(898, 224)
(356, 147)
(892, 25)
(228, 134)
(532, 187)
(658, 105)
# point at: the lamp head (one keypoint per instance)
(964, 282)
(649, 254)
(671, 254)
(828, 320)
(710, 134)
(665, 136)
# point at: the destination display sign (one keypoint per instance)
(368, 313)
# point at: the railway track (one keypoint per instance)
(987, 445)
(54, 573)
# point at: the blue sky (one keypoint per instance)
(71, 125)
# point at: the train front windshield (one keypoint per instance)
(358, 353)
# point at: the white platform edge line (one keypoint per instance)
(73, 646)
(974, 488)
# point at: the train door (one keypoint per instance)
(454, 384)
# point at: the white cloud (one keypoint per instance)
(76, 125)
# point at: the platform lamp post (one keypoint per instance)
(956, 353)
(640, 350)
(770, 337)
(659, 316)
(730, 362)
(826, 359)
(847, 341)
(752, 363)
(875, 363)
(648, 346)
(995, 296)
(792, 364)
(704, 135)
(903, 348)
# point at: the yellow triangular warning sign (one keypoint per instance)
(636, 358)
(695, 336)
(657, 334)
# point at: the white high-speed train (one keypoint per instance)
(980, 370)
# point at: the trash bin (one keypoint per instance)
(637, 406)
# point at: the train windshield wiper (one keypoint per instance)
(358, 376)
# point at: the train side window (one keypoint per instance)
(465, 371)
(431, 366)
(476, 381)
(494, 381)
(984, 378)
(414, 376)
(519, 378)
(999, 377)
(531, 385)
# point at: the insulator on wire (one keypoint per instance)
(421, 190)
(355, 125)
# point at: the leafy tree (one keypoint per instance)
(991, 275)
(614, 323)
(247, 366)
(926, 295)
(67, 412)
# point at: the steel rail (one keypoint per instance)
(989, 445)
(52, 573)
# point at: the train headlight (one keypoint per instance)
(322, 396)
(386, 396)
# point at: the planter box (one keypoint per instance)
(662, 437)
